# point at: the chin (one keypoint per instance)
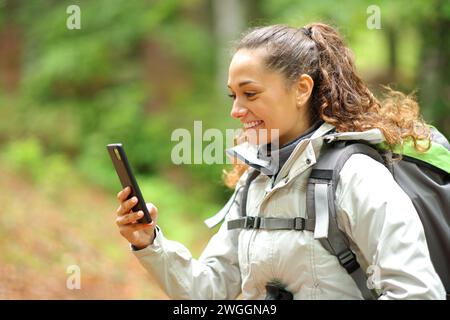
(262, 136)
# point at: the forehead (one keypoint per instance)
(247, 64)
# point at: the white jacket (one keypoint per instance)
(372, 209)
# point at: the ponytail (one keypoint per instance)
(345, 101)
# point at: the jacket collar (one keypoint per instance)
(269, 165)
(286, 150)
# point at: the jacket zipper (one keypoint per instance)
(268, 194)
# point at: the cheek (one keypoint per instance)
(266, 109)
(281, 119)
(278, 116)
(280, 109)
(286, 112)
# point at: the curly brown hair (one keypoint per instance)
(339, 96)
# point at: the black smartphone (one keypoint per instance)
(127, 179)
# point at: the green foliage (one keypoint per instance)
(25, 156)
(51, 172)
(83, 89)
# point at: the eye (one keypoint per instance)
(250, 94)
(232, 96)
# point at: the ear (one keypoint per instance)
(305, 85)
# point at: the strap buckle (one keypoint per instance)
(252, 222)
(347, 259)
(299, 223)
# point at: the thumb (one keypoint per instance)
(153, 211)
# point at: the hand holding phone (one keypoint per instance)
(140, 234)
(127, 179)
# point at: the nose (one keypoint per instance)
(238, 111)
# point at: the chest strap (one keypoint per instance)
(249, 222)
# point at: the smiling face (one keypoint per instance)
(262, 98)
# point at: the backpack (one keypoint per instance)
(414, 173)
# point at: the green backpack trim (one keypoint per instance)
(437, 155)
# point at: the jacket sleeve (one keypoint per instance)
(381, 220)
(215, 275)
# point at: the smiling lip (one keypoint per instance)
(252, 124)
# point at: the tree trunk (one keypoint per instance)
(229, 19)
(392, 40)
(10, 50)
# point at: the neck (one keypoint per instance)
(300, 129)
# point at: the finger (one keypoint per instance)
(129, 218)
(152, 210)
(126, 206)
(142, 226)
(123, 194)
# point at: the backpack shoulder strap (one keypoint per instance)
(251, 176)
(320, 206)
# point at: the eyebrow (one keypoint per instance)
(243, 83)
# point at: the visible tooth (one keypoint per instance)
(252, 124)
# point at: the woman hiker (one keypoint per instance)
(302, 82)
